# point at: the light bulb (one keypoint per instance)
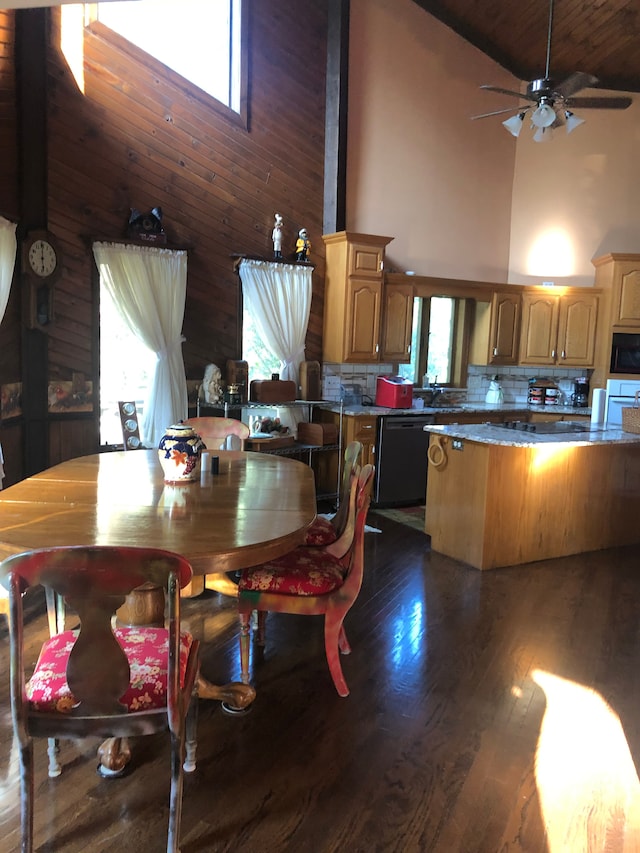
(544, 116)
(514, 124)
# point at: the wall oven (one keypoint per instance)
(620, 393)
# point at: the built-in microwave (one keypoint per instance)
(625, 353)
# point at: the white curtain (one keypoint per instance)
(8, 248)
(278, 297)
(149, 286)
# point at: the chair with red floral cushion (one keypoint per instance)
(97, 680)
(310, 581)
(324, 531)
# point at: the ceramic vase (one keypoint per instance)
(179, 453)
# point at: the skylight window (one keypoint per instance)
(198, 39)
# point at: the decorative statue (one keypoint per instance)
(276, 236)
(211, 390)
(303, 246)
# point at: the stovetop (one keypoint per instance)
(546, 427)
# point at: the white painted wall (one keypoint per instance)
(465, 199)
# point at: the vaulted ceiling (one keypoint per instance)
(600, 37)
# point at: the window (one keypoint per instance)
(262, 362)
(125, 366)
(202, 40)
(437, 340)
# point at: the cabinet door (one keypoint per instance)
(628, 313)
(577, 330)
(365, 260)
(539, 329)
(397, 322)
(362, 329)
(504, 334)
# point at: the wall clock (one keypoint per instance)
(41, 255)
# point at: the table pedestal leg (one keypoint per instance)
(145, 606)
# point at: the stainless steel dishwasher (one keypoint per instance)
(401, 459)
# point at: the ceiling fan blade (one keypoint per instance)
(506, 92)
(520, 109)
(575, 83)
(602, 103)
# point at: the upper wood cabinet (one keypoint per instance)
(504, 332)
(364, 322)
(397, 320)
(621, 273)
(558, 329)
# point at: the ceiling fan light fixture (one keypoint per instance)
(573, 120)
(544, 116)
(543, 134)
(514, 124)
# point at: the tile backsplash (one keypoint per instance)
(514, 380)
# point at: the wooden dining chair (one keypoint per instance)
(324, 531)
(215, 432)
(311, 581)
(97, 680)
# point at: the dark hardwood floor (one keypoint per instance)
(492, 711)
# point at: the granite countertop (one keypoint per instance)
(491, 434)
(468, 408)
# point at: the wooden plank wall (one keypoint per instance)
(140, 136)
(10, 347)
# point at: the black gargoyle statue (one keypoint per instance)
(145, 225)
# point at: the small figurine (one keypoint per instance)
(211, 389)
(303, 246)
(276, 236)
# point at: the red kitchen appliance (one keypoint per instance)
(394, 392)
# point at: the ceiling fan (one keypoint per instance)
(552, 102)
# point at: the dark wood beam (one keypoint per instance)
(335, 157)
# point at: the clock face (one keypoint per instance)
(42, 258)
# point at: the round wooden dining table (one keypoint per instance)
(256, 507)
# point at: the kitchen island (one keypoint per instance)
(503, 497)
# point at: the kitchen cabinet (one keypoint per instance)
(364, 320)
(397, 315)
(621, 273)
(558, 329)
(496, 330)
(360, 428)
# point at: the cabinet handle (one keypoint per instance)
(553, 353)
(377, 348)
(564, 355)
(409, 349)
(495, 350)
(366, 426)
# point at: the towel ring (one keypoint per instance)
(436, 453)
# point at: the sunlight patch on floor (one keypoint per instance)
(587, 782)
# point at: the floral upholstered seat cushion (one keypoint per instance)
(303, 571)
(321, 532)
(146, 649)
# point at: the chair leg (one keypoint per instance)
(343, 642)
(332, 630)
(191, 735)
(262, 625)
(26, 796)
(53, 750)
(245, 637)
(175, 797)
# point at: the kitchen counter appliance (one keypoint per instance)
(394, 392)
(401, 460)
(620, 393)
